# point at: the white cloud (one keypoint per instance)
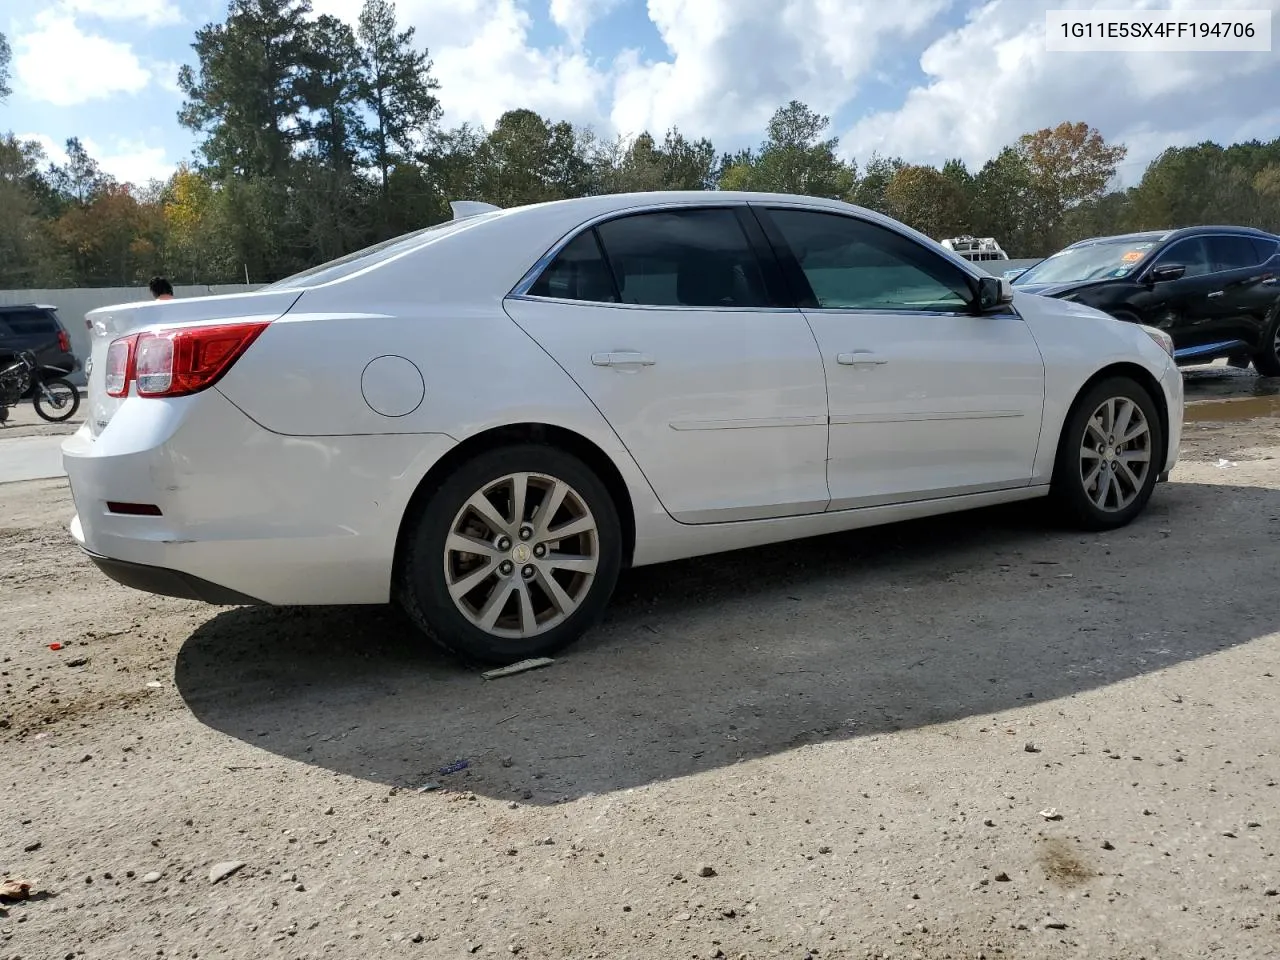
(733, 62)
(151, 12)
(575, 17)
(127, 160)
(485, 63)
(993, 79)
(58, 63)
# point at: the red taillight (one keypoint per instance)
(174, 363)
(64, 341)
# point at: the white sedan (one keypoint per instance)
(486, 420)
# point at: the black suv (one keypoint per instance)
(36, 328)
(1215, 290)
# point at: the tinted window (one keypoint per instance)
(30, 322)
(1266, 249)
(855, 264)
(1232, 253)
(578, 273)
(686, 258)
(1192, 253)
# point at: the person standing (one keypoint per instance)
(161, 289)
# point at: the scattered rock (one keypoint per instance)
(1271, 892)
(1148, 813)
(824, 849)
(1108, 845)
(1030, 747)
(1051, 924)
(728, 913)
(328, 811)
(78, 662)
(706, 870)
(33, 846)
(1051, 813)
(417, 938)
(1002, 877)
(300, 888)
(220, 871)
(988, 822)
(152, 877)
(1253, 824)
(1228, 833)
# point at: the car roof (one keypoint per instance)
(13, 307)
(1158, 236)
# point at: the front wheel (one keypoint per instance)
(1267, 360)
(56, 400)
(1109, 455)
(514, 556)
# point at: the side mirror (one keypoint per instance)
(1166, 272)
(993, 292)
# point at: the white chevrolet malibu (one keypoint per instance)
(486, 420)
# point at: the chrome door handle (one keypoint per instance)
(1269, 282)
(1215, 294)
(859, 358)
(622, 359)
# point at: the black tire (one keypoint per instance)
(57, 414)
(1069, 488)
(422, 589)
(1267, 360)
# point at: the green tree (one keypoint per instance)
(870, 189)
(79, 180)
(794, 158)
(6, 56)
(398, 90)
(1010, 206)
(245, 97)
(928, 200)
(28, 255)
(330, 89)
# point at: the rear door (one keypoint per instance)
(1243, 298)
(673, 326)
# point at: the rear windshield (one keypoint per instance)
(1116, 257)
(21, 322)
(361, 259)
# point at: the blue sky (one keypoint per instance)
(926, 79)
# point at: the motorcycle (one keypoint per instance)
(53, 396)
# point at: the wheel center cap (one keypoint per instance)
(1111, 453)
(521, 553)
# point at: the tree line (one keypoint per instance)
(316, 139)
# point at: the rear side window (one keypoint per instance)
(1232, 253)
(30, 322)
(683, 258)
(578, 273)
(1266, 249)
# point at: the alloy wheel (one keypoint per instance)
(521, 555)
(1115, 454)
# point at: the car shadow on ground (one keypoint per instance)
(704, 663)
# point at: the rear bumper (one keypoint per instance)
(169, 583)
(245, 515)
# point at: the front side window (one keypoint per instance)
(1192, 253)
(683, 258)
(854, 264)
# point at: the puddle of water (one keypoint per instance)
(1241, 408)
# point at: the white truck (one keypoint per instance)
(976, 248)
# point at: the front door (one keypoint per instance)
(668, 322)
(927, 399)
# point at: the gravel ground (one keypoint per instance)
(973, 737)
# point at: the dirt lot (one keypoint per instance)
(853, 737)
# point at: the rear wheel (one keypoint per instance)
(514, 556)
(1109, 455)
(56, 401)
(1267, 360)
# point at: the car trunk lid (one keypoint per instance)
(107, 324)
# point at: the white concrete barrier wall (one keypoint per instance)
(74, 302)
